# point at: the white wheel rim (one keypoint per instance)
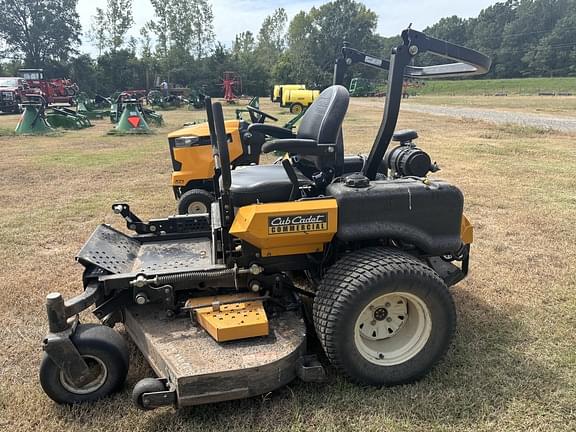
(100, 376)
(197, 207)
(392, 328)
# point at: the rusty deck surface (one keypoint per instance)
(173, 256)
(207, 371)
(119, 253)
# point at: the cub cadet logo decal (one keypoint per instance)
(298, 223)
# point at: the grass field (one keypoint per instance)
(519, 86)
(547, 105)
(512, 366)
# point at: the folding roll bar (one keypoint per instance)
(468, 63)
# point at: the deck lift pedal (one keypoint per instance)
(214, 302)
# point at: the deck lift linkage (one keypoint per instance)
(177, 283)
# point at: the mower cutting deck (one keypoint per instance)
(202, 370)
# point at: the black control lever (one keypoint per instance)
(173, 225)
(133, 222)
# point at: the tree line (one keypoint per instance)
(525, 38)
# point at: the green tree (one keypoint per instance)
(555, 53)
(255, 74)
(120, 70)
(486, 30)
(315, 39)
(453, 29)
(203, 27)
(110, 26)
(184, 26)
(82, 70)
(160, 26)
(520, 38)
(40, 30)
(244, 44)
(96, 34)
(272, 37)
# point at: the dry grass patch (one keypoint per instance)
(512, 366)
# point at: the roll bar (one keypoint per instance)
(468, 63)
(214, 143)
(222, 175)
(222, 142)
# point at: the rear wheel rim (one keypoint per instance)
(197, 207)
(98, 372)
(393, 328)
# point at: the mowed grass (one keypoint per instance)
(556, 106)
(512, 365)
(516, 86)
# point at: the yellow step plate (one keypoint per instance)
(231, 321)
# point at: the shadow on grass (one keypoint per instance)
(483, 373)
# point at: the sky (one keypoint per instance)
(235, 16)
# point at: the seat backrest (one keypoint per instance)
(323, 119)
(322, 122)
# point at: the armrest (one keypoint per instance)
(298, 146)
(271, 130)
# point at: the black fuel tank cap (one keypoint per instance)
(405, 135)
(357, 180)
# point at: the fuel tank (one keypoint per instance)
(425, 213)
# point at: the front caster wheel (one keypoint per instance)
(146, 385)
(195, 201)
(383, 317)
(105, 353)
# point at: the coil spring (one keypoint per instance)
(193, 276)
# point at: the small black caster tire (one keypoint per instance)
(146, 385)
(106, 353)
(195, 201)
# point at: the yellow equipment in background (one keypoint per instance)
(193, 163)
(293, 96)
(298, 100)
(276, 94)
(191, 153)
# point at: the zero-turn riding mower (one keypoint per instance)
(193, 163)
(215, 303)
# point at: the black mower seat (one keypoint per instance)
(262, 183)
(319, 129)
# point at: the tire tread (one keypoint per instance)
(351, 275)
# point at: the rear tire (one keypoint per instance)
(106, 353)
(296, 108)
(383, 317)
(195, 201)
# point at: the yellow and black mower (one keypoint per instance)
(215, 303)
(193, 163)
